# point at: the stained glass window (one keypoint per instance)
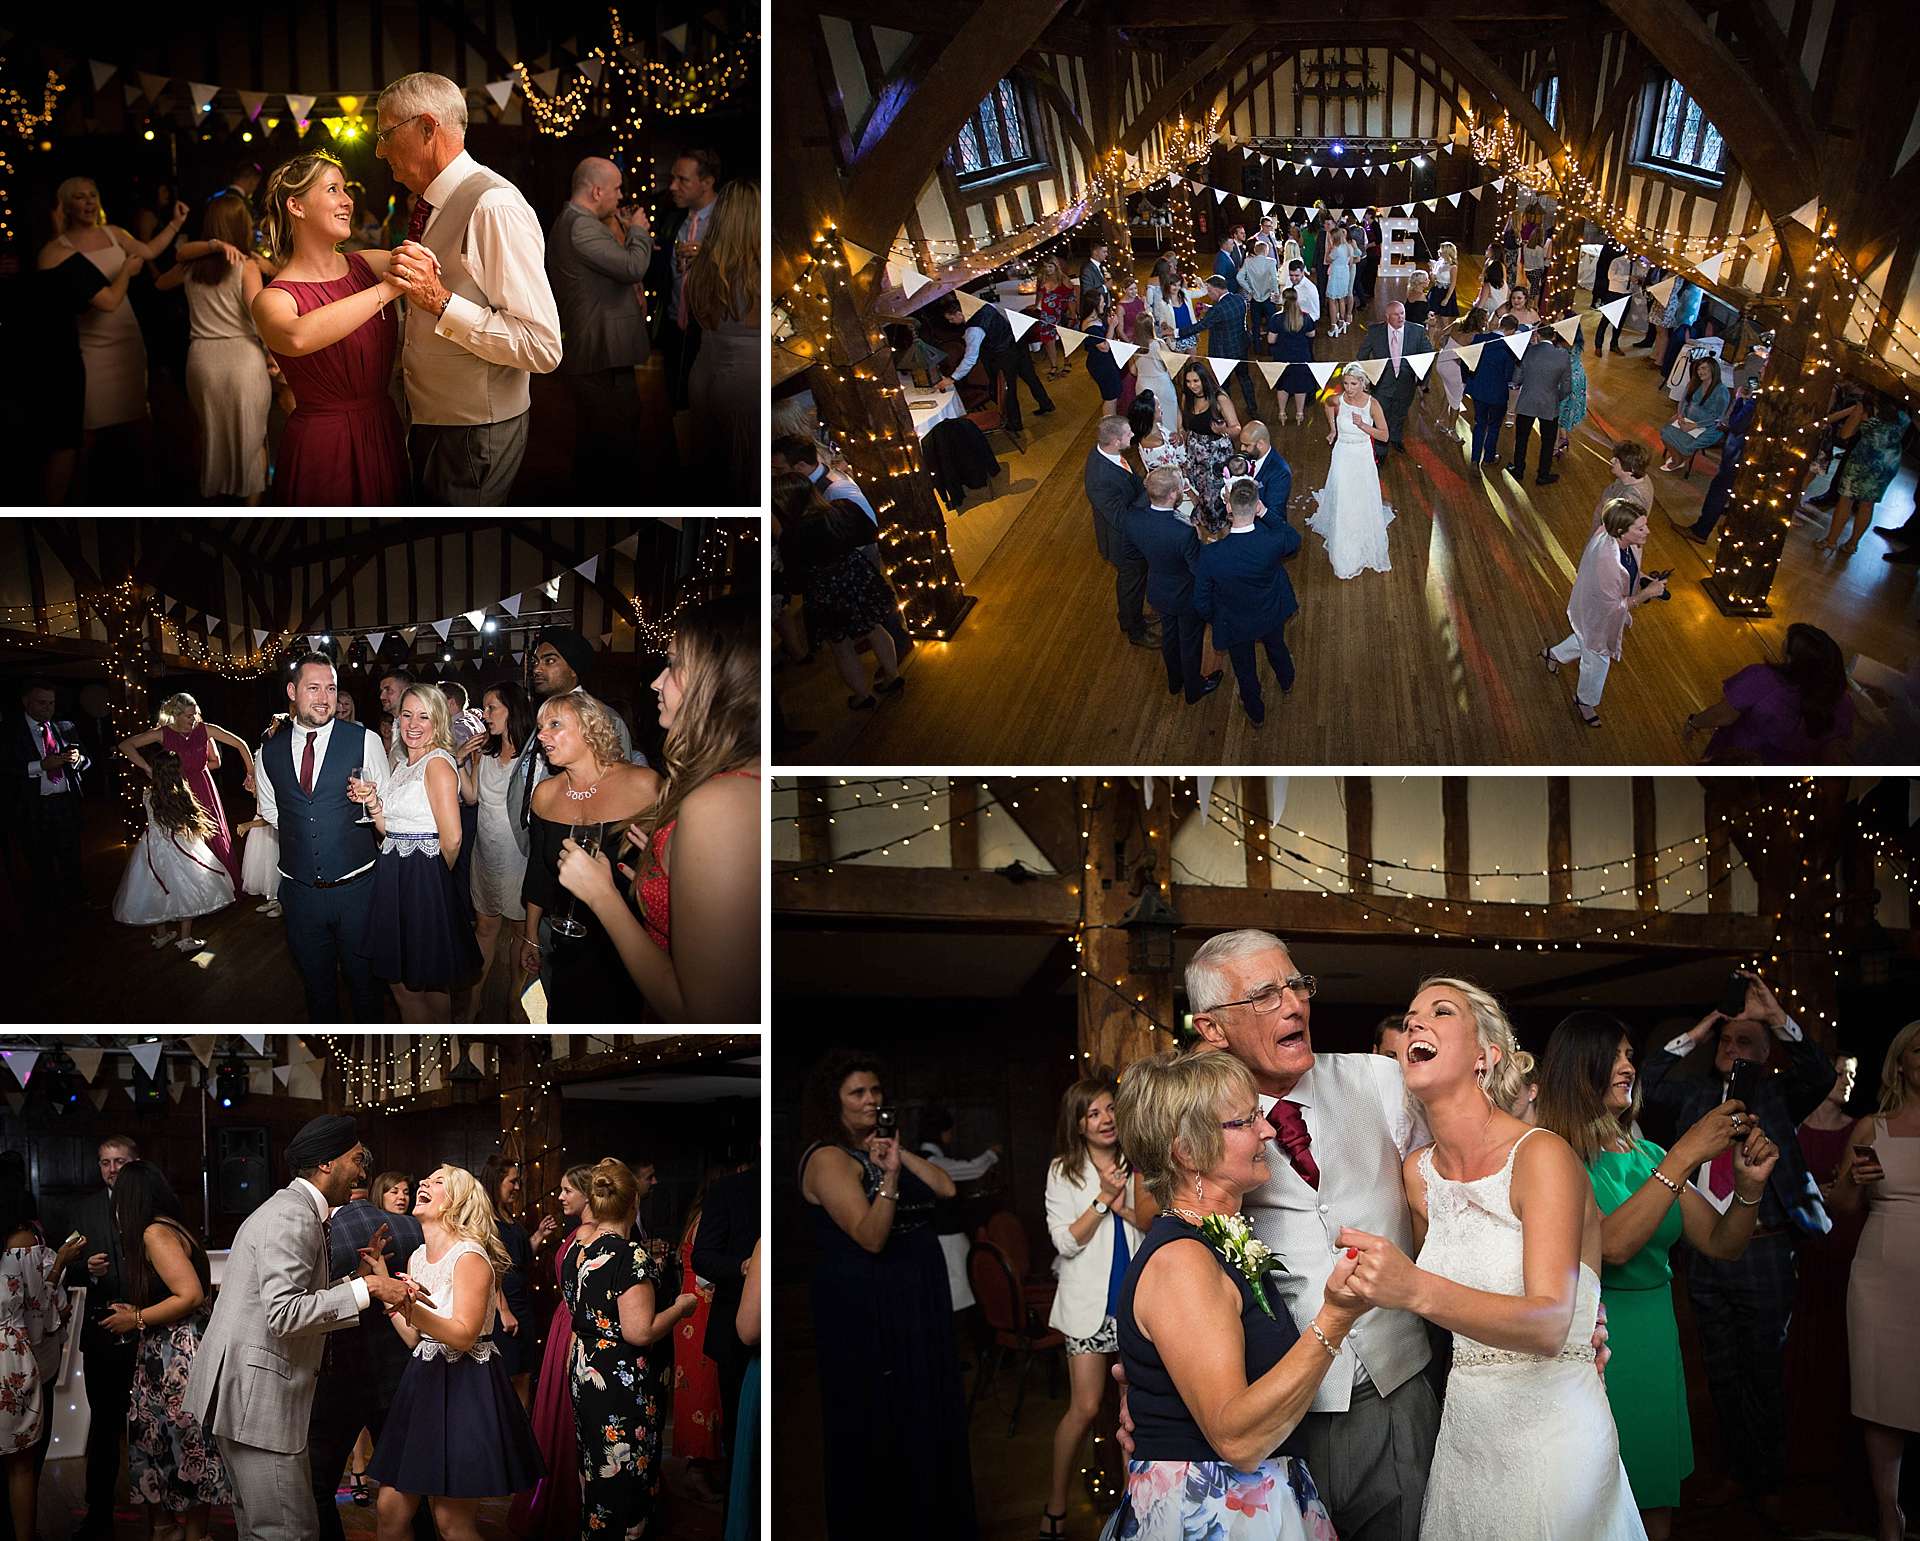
(996, 139)
(1679, 135)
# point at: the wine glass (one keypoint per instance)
(587, 837)
(359, 774)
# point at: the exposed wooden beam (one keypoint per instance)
(1455, 838)
(1050, 816)
(1559, 839)
(1359, 800)
(1176, 87)
(1646, 845)
(1039, 69)
(963, 824)
(1452, 47)
(1636, 967)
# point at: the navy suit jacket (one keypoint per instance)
(1226, 266)
(1227, 321)
(1488, 380)
(371, 1353)
(1275, 477)
(1782, 1103)
(1169, 549)
(1240, 585)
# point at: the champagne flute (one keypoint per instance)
(359, 774)
(587, 837)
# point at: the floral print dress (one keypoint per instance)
(172, 1463)
(616, 1404)
(30, 1312)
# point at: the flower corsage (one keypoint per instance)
(1232, 1237)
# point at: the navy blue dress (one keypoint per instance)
(516, 1351)
(1106, 373)
(1294, 349)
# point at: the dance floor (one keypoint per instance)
(1433, 663)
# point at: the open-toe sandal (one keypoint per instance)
(1547, 658)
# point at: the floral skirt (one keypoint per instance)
(1105, 1340)
(1210, 1501)
(172, 1463)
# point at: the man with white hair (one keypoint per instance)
(480, 314)
(605, 330)
(1343, 1125)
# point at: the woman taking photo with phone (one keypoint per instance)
(1095, 1215)
(893, 1422)
(1883, 1334)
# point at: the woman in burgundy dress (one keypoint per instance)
(329, 321)
(551, 1510)
(197, 742)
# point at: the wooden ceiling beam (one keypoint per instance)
(1062, 34)
(1467, 59)
(1182, 82)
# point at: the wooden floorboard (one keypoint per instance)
(1431, 664)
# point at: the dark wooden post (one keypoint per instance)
(1115, 1029)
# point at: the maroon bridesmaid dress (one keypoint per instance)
(344, 444)
(552, 1509)
(198, 775)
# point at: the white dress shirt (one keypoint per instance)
(38, 772)
(269, 804)
(506, 254)
(1679, 1048)
(1309, 297)
(1119, 460)
(362, 1296)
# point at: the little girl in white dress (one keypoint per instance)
(260, 864)
(173, 876)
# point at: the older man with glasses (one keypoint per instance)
(1343, 1125)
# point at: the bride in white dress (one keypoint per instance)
(1351, 519)
(1507, 1235)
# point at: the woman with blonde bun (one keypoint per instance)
(456, 1433)
(329, 321)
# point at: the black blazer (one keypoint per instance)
(1240, 584)
(1782, 1103)
(729, 1227)
(23, 748)
(372, 1352)
(92, 1216)
(1169, 548)
(1110, 490)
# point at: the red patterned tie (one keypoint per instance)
(1290, 1128)
(306, 766)
(52, 749)
(417, 221)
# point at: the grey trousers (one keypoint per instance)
(1370, 1462)
(467, 463)
(272, 1493)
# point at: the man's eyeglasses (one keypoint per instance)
(386, 133)
(1267, 997)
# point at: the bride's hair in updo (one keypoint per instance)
(1505, 1078)
(1351, 371)
(292, 179)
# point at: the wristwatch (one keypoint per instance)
(1100, 1207)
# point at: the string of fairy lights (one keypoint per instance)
(21, 119)
(1754, 829)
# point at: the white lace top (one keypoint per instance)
(408, 813)
(437, 1280)
(1474, 1238)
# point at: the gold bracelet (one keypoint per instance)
(1661, 1177)
(138, 1324)
(1750, 1203)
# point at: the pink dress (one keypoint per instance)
(552, 1508)
(194, 770)
(343, 445)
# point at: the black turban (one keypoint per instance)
(322, 1139)
(570, 645)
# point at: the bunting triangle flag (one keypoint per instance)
(1219, 195)
(283, 1073)
(313, 643)
(910, 279)
(176, 1089)
(102, 73)
(146, 1056)
(443, 627)
(629, 548)
(857, 256)
(512, 606)
(591, 69)
(1454, 199)
(203, 94)
(1070, 338)
(187, 614)
(203, 1049)
(969, 303)
(134, 93)
(548, 81)
(332, 125)
(299, 106)
(98, 1097)
(1613, 310)
(500, 90)
(1221, 367)
(1475, 192)
(259, 637)
(1020, 320)
(474, 618)
(348, 104)
(251, 102)
(518, 657)
(1663, 291)
(1270, 373)
(1322, 370)
(677, 36)
(1122, 351)
(1499, 183)
(1430, 204)
(1265, 206)
(552, 587)
(1470, 354)
(270, 122)
(589, 569)
(375, 638)
(1351, 169)
(1566, 327)
(255, 1041)
(1518, 342)
(1420, 363)
(21, 1063)
(1710, 269)
(1373, 367)
(152, 85)
(87, 1062)
(1808, 213)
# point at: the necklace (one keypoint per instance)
(579, 797)
(1192, 1217)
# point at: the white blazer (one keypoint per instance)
(1080, 1304)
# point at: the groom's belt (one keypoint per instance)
(336, 883)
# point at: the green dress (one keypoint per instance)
(1645, 1380)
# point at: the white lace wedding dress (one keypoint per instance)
(1351, 519)
(1527, 1449)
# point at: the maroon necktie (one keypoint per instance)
(417, 221)
(1720, 1175)
(1290, 1128)
(56, 774)
(306, 766)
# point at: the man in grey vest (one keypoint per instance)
(480, 313)
(604, 328)
(1343, 1125)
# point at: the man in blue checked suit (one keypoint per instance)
(1240, 586)
(1225, 324)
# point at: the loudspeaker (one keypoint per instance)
(242, 1176)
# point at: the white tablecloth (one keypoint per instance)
(930, 407)
(1589, 264)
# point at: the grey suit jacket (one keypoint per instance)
(601, 324)
(1395, 390)
(1546, 379)
(254, 1372)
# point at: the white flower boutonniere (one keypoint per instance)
(1232, 1236)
